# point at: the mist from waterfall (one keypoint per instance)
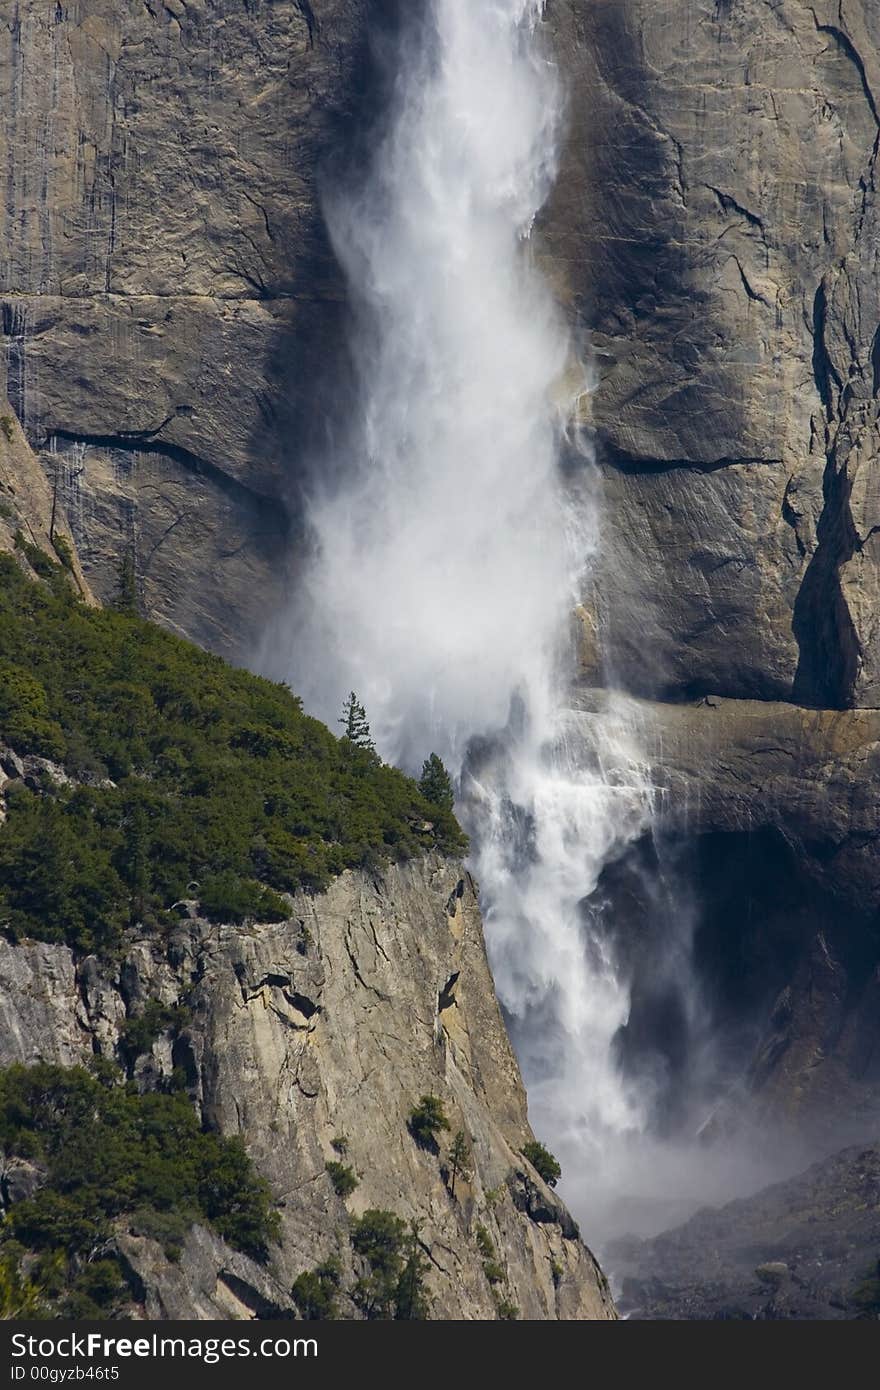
(449, 548)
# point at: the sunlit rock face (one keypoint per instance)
(714, 226)
(329, 1026)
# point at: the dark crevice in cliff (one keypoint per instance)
(261, 1307)
(146, 442)
(446, 996)
(751, 292)
(729, 204)
(308, 15)
(847, 47)
(624, 462)
(792, 518)
(760, 912)
(828, 645)
(875, 363)
(303, 1004)
(824, 371)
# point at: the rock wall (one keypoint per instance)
(715, 228)
(714, 231)
(166, 287)
(30, 511)
(331, 1024)
(171, 309)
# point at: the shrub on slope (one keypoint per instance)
(193, 778)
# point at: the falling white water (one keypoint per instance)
(449, 550)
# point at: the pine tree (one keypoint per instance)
(137, 847)
(412, 1302)
(127, 596)
(460, 1160)
(357, 729)
(435, 784)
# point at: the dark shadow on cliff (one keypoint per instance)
(749, 979)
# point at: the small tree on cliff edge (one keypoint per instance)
(127, 594)
(460, 1160)
(435, 784)
(357, 729)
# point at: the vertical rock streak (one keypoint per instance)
(449, 550)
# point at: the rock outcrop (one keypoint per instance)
(329, 1026)
(31, 514)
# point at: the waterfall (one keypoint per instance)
(450, 549)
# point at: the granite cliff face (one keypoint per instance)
(329, 1025)
(715, 227)
(766, 841)
(165, 280)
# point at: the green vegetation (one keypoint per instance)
(139, 1032)
(354, 721)
(543, 1162)
(426, 1121)
(62, 547)
(226, 898)
(342, 1177)
(127, 595)
(460, 1160)
(339, 1142)
(7, 427)
(24, 713)
(495, 1274)
(435, 784)
(493, 1271)
(39, 561)
(394, 1287)
(392, 1279)
(485, 1244)
(224, 788)
(106, 1154)
(20, 1297)
(315, 1291)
